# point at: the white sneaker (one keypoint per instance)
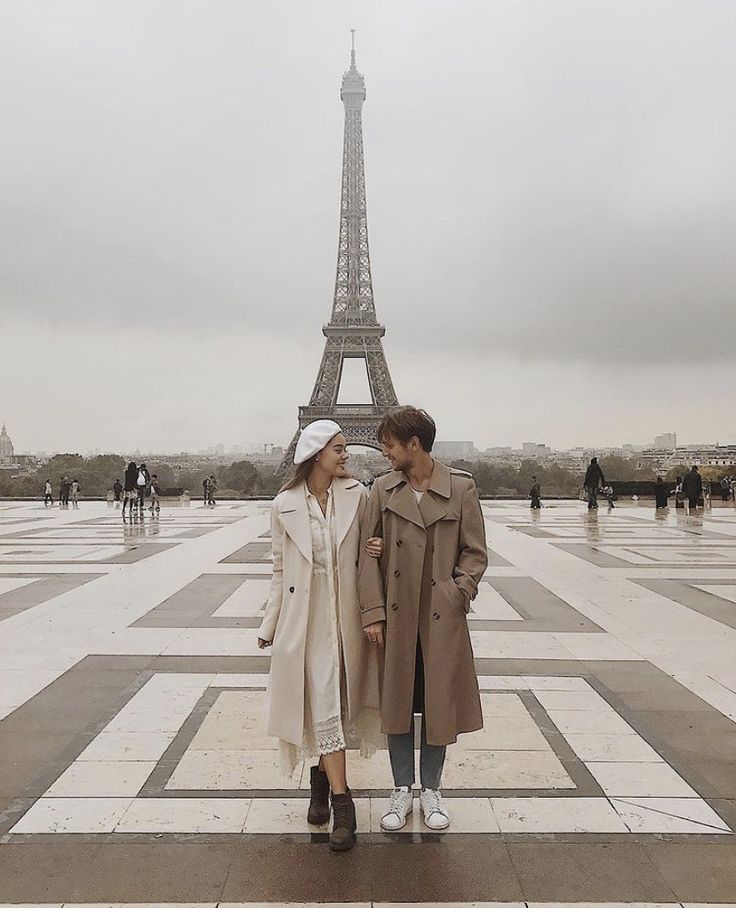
(400, 806)
(434, 814)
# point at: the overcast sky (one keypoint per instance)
(551, 208)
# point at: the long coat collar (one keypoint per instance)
(294, 513)
(430, 509)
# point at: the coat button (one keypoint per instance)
(394, 607)
(436, 616)
(362, 608)
(399, 543)
(434, 582)
(397, 573)
(291, 589)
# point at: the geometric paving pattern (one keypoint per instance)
(135, 768)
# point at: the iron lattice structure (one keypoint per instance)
(353, 331)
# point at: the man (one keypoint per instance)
(414, 602)
(534, 494)
(692, 489)
(592, 482)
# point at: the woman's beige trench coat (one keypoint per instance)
(426, 599)
(287, 608)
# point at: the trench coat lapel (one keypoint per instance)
(432, 509)
(404, 503)
(294, 516)
(433, 506)
(345, 498)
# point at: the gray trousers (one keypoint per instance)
(401, 747)
(431, 760)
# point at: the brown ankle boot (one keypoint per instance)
(342, 837)
(319, 802)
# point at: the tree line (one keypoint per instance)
(243, 479)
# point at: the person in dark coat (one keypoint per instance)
(534, 494)
(660, 493)
(130, 494)
(592, 482)
(692, 488)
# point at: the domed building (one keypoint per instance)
(7, 451)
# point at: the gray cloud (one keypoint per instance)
(551, 181)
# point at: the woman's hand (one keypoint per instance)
(375, 632)
(262, 644)
(374, 546)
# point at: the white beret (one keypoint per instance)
(314, 437)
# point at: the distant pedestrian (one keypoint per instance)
(130, 493)
(733, 490)
(692, 489)
(141, 484)
(206, 490)
(75, 489)
(155, 494)
(211, 490)
(725, 488)
(48, 494)
(660, 493)
(117, 491)
(592, 482)
(677, 492)
(64, 489)
(534, 494)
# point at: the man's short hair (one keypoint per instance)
(405, 423)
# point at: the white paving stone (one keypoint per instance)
(548, 815)
(129, 745)
(90, 815)
(101, 780)
(466, 815)
(185, 815)
(647, 780)
(686, 815)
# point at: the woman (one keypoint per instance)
(660, 493)
(323, 686)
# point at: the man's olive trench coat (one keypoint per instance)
(425, 600)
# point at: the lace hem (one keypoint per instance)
(363, 735)
(329, 736)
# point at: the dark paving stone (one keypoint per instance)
(42, 737)
(697, 872)
(193, 605)
(725, 809)
(456, 868)
(251, 553)
(212, 664)
(541, 609)
(551, 872)
(78, 872)
(41, 590)
(686, 594)
(300, 872)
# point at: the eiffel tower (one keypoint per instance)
(353, 331)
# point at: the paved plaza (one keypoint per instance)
(135, 768)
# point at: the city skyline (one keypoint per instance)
(553, 263)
